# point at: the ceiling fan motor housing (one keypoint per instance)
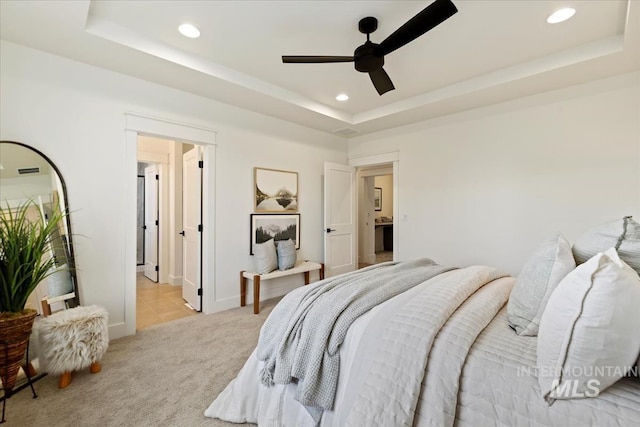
(368, 57)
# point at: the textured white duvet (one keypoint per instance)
(437, 355)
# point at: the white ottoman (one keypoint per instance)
(72, 340)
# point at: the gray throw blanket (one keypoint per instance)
(300, 340)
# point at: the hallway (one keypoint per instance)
(158, 303)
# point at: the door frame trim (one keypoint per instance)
(393, 158)
(138, 124)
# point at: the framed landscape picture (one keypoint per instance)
(275, 190)
(273, 226)
(377, 199)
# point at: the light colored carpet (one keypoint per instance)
(164, 375)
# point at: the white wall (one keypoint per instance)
(74, 113)
(486, 186)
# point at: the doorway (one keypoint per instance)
(141, 125)
(168, 288)
(349, 212)
(375, 214)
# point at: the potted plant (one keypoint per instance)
(25, 260)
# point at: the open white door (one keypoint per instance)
(192, 227)
(339, 219)
(151, 223)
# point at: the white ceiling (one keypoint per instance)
(15, 156)
(490, 51)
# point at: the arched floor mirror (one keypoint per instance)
(27, 174)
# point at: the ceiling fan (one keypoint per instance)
(369, 57)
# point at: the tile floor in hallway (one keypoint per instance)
(383, 256)
(158, 303)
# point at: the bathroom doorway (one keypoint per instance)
(375, 219)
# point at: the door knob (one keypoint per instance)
(329, 230)
(181, 233)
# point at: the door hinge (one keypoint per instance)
(157, 223)
(200, 228)
(157, 268)
(157, 176)
(201, 164)
(200, 292)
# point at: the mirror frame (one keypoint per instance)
(72, 258)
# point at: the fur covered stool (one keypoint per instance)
(71, 340)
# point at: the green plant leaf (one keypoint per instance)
(25, 253)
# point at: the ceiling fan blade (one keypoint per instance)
(433, 15)
(315, 59)
(381, 81)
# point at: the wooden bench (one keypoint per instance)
(300, 267)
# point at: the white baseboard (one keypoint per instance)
(140, 269)
(175, 280)
(225, 304)
(117, 330)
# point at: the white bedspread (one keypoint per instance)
(468, 369)
(300, 341)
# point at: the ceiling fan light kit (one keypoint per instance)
(369, 57)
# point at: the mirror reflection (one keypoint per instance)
(27, 174)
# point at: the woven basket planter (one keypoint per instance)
(15, 329)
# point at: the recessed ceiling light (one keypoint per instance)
(561, 15)
(189, 30)
(342, 97)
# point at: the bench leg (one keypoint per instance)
(306, 278)
(256, 294)
(243, 289)
(321, 271)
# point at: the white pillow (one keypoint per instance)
(548, 265)
(623, 234)
(266, 257)
(287, 256)
(589, 337)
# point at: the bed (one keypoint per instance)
(438, 353)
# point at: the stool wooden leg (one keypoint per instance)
(243, 289)
(321, 271)
(29, 370)
(256, 294)
(95, 367)
(46, 308)
(306, 278)
(65, 380)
